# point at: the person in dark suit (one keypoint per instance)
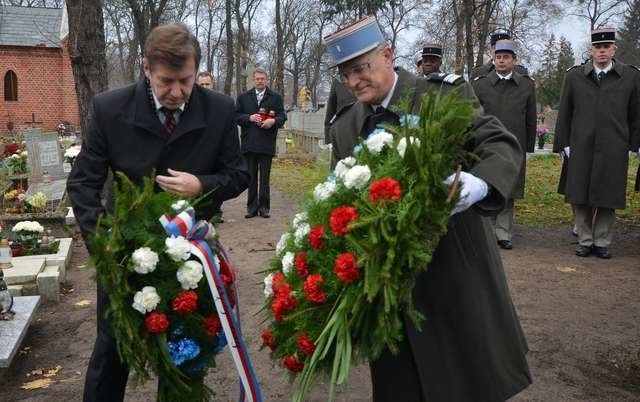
(163, 122)
(471, 346)
(260, 113)
(511, 97)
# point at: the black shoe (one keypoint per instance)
(265, 215)
(583, 251)
(601, 252)
(250, 215)
(505, 244)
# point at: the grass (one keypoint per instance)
(541, 207)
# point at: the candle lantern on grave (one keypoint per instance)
(6, 300)
(5, 255)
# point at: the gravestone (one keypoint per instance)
(46, 173)
(12, 332)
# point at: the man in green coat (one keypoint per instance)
(598, 124)
(471, 346)
(511, 97)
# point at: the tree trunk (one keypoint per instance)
(228, 81)
(87, 52)
(279, 76)
(458, 64)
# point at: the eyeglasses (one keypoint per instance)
(353, 70)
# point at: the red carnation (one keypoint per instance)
(384, 189)
(268, 340)
(226, 273)
(283, 302)
(340, 219)
(345, 268)
(293, 364)
(156, 323)
(278, 282)
(186, 302)
(305, 343)
(212, 324)
(301, 264)
(316, 237)
(311, 288)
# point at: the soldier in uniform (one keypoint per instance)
(431, 58)
(339, 97)
(471, 346)
(487, 67)
(417, 58)
(511, 97)
(598, 124)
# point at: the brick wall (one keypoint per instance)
(45, 87)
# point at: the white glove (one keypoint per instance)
(473, 190)
(566, 151)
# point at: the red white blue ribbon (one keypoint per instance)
(196, 232)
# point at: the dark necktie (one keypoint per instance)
(381, 115)
(601, 75)
(169, 120)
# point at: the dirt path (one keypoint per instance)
(581, 318)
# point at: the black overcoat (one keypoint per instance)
(253, 138)
(125, 134)
(513, 102)
(339, 98)
(600, 123)
(471, 347)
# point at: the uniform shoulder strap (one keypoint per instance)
(451, 79)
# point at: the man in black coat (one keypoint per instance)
(164, 122)
(259, 113)
(471, 346)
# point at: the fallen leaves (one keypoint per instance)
(566, 269)
(44, 382)
(37, 384)
(83, 303)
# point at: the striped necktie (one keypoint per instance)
(169, 119)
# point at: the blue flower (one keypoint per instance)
(221, 342)
(182, 350)
(357, 149)
(178, 330)
(410, 120)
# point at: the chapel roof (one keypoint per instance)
(30, 26)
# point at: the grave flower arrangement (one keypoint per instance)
(164, 317)
(18, 161)
(71, 153)
(344, 271)
(28, 232)
(14, 201)
(37, 201)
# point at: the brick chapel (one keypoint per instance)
(36, 80)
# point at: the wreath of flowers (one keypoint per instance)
(162, 312)
(343, 274)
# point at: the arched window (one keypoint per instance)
(10, 86)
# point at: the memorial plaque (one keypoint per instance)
(45, 156)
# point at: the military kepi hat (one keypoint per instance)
(418, 58)
(499, 35)
(354, 40)
(603, 35)
(432, 49)
(506, 46)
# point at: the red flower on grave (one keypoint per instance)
(316, 237)
(301, 264)
(312, 289)
(186, 302)
(345, 268)
(212, 324)
(384, 189)
(268, 340)
(305, 343)
(156, 323)
(293, 364)
(340, 219)
(226, 273)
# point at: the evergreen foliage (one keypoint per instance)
(629, 36)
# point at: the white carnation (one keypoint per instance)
(144, 260)
(72, 151)
(178, 248)
(343, 166)
(180, 205)
(301, 232)
(27, 226)
(299, 219)
(324, 190)
(402, 144)
(146, 300)
(287, 262)
(189, 274)
(268, 285)
(377, 141)
(357, 177)
(282, 243)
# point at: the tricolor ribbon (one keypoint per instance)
(184, 225)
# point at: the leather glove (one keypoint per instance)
(566, 151)
(473, 190)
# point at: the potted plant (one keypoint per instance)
(28, 232)
(541, 133)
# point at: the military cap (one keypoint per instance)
(603, 35)
(506, 46)
(432, 49)
(499, 35)
(354, 40)
(417, 58)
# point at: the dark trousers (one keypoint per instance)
(258, 200)
(106, 377)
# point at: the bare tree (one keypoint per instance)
(599, 13)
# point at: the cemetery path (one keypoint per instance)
(581, 318)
